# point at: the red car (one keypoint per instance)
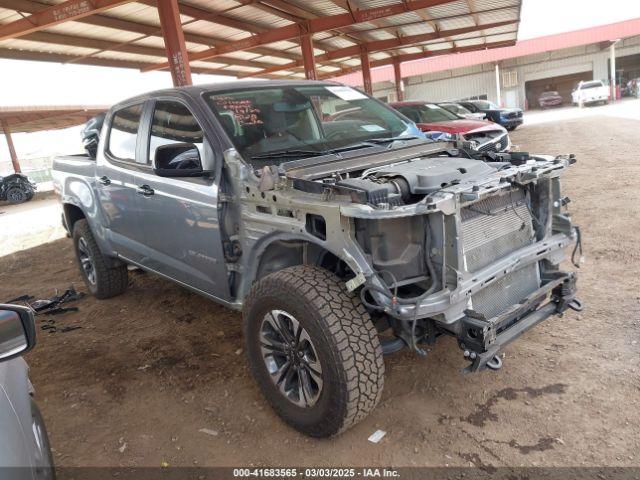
(430, 117)
(550, 99)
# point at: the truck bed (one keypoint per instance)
(74, 180)
(80, 164)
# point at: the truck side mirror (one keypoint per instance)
(17, 331)
(178, 160)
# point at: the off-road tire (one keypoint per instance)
(344, 335)
(16, 195)
(110, 280)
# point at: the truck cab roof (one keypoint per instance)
(197, 90)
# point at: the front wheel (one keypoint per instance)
(313, 350)
(16, 195)
(101, 278)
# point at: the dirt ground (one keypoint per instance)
(149, 369)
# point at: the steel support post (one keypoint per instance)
(174, 42)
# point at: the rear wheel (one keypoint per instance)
(102, 279)
(313, 350)
(16, 195)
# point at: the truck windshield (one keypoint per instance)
(271, 125)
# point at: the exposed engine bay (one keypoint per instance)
(407, 182)
(454, 240)
(398, 246)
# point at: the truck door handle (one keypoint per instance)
(104, 180)
(145, 190)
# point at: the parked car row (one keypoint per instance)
(585, 93)
(479, 121)
(430, 117)
(509, 118)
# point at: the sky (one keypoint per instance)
(547, 17)
(23, 83)
(44, 83)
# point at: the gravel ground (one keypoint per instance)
(149, 369)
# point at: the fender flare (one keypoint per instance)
(349, 254)
(98, 230)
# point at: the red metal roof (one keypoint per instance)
(248, 37)
(522, 48)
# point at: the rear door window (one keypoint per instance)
(173, 123)
(124, 133)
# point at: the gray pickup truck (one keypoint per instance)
(340, 240)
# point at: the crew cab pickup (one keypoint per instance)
(341, 240)
(590, 92)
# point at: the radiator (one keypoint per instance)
(492, 229)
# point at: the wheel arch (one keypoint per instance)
(72, 213)
(278, 251)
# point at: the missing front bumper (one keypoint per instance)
(483, 338)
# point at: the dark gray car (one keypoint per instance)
(25, 452)
(340, 239)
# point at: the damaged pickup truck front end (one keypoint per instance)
(434, 241)
(332, 222)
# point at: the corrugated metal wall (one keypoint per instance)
(454, 88)
(443, 86)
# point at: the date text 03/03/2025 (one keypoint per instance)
(315, 473)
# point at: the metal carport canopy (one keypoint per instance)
(241, 38)
(27, 119)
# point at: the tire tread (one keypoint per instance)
(348, 328)
(111, 281)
